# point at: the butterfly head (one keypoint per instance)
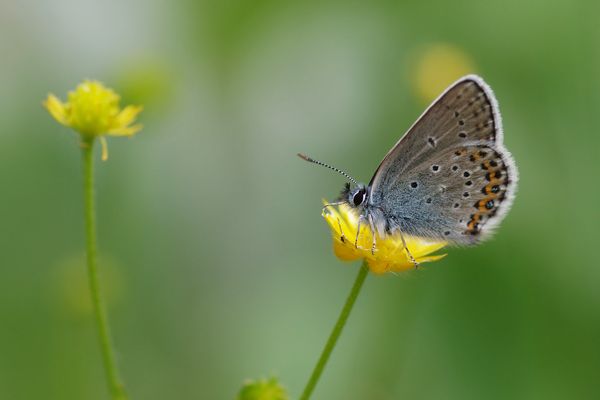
(356, 197)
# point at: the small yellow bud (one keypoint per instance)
(263, 389)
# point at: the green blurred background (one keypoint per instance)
(216, 262)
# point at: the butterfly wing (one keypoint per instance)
(449, 177)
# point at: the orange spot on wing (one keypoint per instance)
(472, 226)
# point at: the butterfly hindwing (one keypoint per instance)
(457, 195)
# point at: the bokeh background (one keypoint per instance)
(215, 260)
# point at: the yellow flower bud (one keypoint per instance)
(263, 389)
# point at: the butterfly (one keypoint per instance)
(448, 178)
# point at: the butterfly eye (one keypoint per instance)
(359, 197)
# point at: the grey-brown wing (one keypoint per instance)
(457, 195)
(465, 114)
(449, 177)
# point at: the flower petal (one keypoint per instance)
(431, 258)
(56, 108)
(378, 267)
(344, 252)
(126, 130)
(127, 115)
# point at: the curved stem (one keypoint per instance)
(117, 389)
(335, 333)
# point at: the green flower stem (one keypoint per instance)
(335, 333)
(117, 389)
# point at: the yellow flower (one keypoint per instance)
(389, 256)
(93, 110)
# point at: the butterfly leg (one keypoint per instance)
(342, 237)
(412, 259)
(360, 218)
(372, 225)
(337, 203)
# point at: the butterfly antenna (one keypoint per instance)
(312, 160)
